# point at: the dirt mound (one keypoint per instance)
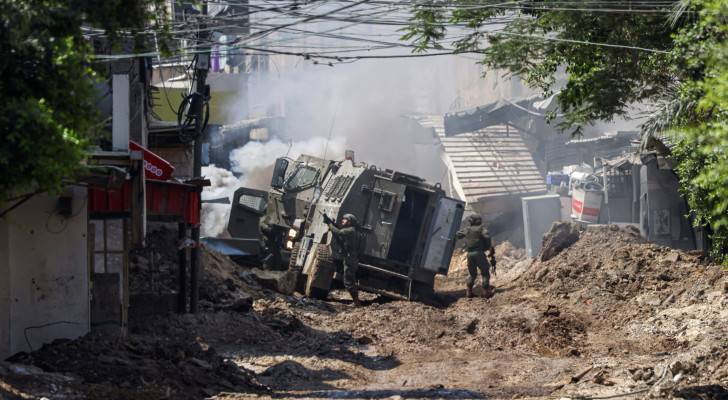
(638, 297)
(223, 282)
(506, 254)
(560, 236)
(154, 269)
(508, 251)
(143, 367)
(609, 265)
(606, 316)
(557, 333)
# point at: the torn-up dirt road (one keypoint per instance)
(602, 314)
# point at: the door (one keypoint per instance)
(441, 236)
(249, 206)
(381, 217)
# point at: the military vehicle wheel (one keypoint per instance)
(319, 278)
(424, 292)
(294, 254)
(292, 269)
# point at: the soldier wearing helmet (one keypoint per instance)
(347, 237)
(477, 243)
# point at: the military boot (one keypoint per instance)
(468, 292)
(355, 298)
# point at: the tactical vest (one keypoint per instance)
(476, 239)
(349, 242)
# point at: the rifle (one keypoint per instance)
(340, 242)
(327, 219)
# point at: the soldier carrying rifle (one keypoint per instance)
(347, 237)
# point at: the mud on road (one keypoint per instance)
(605, 315)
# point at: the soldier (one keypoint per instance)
(347, 237)
(477, 242)
(271, 240)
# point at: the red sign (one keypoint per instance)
(155, 167)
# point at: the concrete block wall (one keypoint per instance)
(44, 275)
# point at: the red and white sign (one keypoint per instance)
(586, 204)
(155, 167)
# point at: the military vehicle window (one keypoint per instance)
(302, 178)
(386, 201)
(254, 202)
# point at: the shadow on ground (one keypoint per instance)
(435, 393)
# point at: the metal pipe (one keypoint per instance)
(182, 271)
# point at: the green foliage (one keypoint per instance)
(48, 86)
(703, 141)
(537, 45)
(47, 89)
(426, 28)
(679, 62)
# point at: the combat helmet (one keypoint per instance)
(352, 219)
(475, 219)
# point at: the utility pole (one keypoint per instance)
(202, 93)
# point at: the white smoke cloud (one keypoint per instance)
(255, 160)
(254, 163)
(359, 106)
(215, 216)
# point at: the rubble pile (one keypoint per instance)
(223, 284)
(561, 236)
(606, 314)
(654, 299)
(604, 300)
(559, 333)
(172, 356)
(614, 272)
(26, 381)
(153, 270)
(143, 367)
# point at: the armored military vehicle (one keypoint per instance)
(407, 226)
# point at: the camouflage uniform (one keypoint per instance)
(348, 238)
(271, 240)
(477, 242)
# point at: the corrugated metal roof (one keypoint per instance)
(489, 162)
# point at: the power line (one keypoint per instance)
(290, 34)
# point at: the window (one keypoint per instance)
(302, 178)
(109, 242)
(386, 201)
(254, 202)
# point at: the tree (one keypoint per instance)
(615, 54)
(47, 86)
(702, 135)
(598, 51)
